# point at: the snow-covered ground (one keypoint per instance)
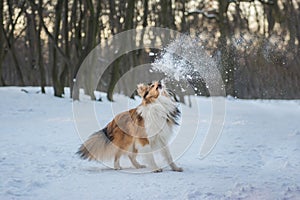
(257, 156)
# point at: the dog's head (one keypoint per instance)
(158, 91)
(150, 92)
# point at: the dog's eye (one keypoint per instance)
(152, 86)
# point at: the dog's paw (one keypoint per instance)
(141, 166)
(117, 168)
(178, 169)
(157, 170)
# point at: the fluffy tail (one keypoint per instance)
(98, 147)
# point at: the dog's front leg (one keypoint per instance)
(164, 150)
(150, 159)
(153, 165)
(166, 153)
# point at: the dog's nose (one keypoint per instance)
(159, 85)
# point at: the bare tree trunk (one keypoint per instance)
(129, 14)
(54, 45)
(145, 22)
(78, 51)
(113, 80)
(1, 42)
(90, 43)
(98, 24)
(115, 71)
(13, 53)
(10, 40)
(167, 19)
(8, 37)
(145, 14)
(74, 55)
(112, 15)
(183, 20)
(63, 78)
(226, 52)
(40, 53)
(57, 85)
(31, 46)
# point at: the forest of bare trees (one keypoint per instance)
(43, 43)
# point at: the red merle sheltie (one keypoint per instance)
(149, 126)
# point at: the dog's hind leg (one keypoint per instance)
(135, 163)
(117, 160)
(132, 157)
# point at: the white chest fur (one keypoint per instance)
(155, 116)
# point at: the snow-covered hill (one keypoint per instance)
(257, 156)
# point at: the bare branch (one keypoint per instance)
(40, 13)
(20, 33)
(16, 21)
(19, 14)
(210, 14)
(269, 2)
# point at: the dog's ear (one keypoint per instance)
(141, 89)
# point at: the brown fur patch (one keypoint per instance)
(118, 137)
(143, 141)
(125, 128)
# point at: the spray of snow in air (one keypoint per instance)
(185, 59)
